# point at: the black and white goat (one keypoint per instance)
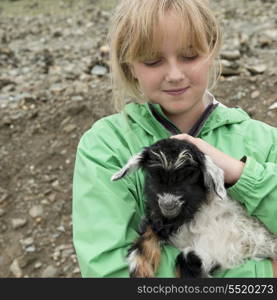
(187, 206)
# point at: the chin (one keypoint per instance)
(177, 109)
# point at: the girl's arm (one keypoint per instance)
(264, 175)
(232, 168)
(106, 214)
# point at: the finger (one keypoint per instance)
(201, 144)
(182, 136)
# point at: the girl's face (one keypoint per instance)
(177, 81)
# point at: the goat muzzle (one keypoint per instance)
(170, 205)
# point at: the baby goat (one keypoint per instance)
(187, 206)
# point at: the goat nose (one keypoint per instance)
(169, 205)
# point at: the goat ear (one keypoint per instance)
(132, 165)
(214, 178)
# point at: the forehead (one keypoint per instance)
(170, 162)
(172, 28)
(167, 29)
(169, 33)
(171, 155)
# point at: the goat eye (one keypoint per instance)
(194, 175)
(190, 174)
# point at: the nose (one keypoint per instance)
(169, 205)
(174, 73)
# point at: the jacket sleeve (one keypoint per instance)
(106, 214)
(257, 186)
(249, 269)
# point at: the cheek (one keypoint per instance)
(199, 74)
(149, 79)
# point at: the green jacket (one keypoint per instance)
(106, 214)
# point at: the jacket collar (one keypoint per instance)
(154, 121)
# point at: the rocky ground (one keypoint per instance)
(54, 85)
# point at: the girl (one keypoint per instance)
(164, 56)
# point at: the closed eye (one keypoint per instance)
(190, 58)
(152, 63)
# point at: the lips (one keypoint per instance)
(176, 91)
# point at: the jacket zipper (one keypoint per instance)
(196, 128)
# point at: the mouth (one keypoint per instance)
(175, 92)
(171, 211)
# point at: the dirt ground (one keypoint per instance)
(54, 85)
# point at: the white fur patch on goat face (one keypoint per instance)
(166, 164)
(169, 204)
(182, 158)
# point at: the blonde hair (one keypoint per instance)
(133, 36)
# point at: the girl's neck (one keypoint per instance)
(185, 121)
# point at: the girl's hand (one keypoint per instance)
(232, 168)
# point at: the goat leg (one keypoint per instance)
(144, 255)
(189, 265)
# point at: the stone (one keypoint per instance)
(17, 223)
(2, 212)
(255, 70)
(99, 70)
(37, 265)
(3, 192)
(230, 68)
(104, 50)
(229, 71)
(2, 261)
(56, 184)
(77, 98)
(255, 94)
(52, 197)
(57, 89)
(5, 81)
(36, 211)
(61, 228)
(76, 270)
(69, 128)
(30, 249)
(273, 106)
(230, 55)
(49, 272)
(271, 34)
(27, 242)
(15, 269)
